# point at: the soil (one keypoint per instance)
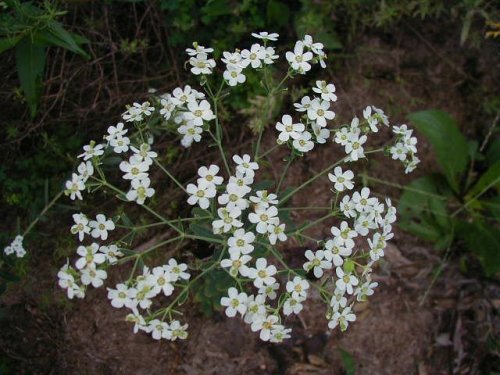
(411, 325)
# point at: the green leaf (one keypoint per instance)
(263, 185)
(56, 35)
(202, 231)
(200, 212)
(8, 276)
(493, 153)
(489, 179)
(30, 62)
(448, 142)
(348, 362)
(278, 13)
(8, 43)
(485, 242)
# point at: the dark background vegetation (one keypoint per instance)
(437, 310)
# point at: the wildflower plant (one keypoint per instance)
(244, 219)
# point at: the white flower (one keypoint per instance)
(297, 287)
(134, 169)
(117, 131)
(364, 223)
(245, 165)
(163, 280)
(270, 55)
(321, 134)
(264, 35)
(342, 318)
(254, 56)
(338, 300)
(347, 207)
(269, 291)
(209, 175)
(304, 105)
(262, 273)
(91, 150)
(120, 144)
(342, 180)
(177, 331)
(344, 235)
(365, 290)
(234, 76)
(241, 241)
(345, 281)
(317, 48)
(235, 302)
(137, 112)
(228, 220)
(100, 227)
(304, 143)
(157, 328)
(373, 120)
(236, 263)
(264, 217)
(334, 252)
(120, 296)
(85, 169)
(201, 64)
(198, 49)
(140, 191)
(144, 153)
(232, 59)
(199, 112)
(362, 200)
(342, 136)
(67, 281)
(289, 130)
(410, 167)
(316, 263)
(74, 187)
(90, 256)
(327, 91)
(399, 151)
(191, 133)
(138, 320)
(234, 196)
(112, 253)
(263, 199)
(183, 96)
(354, 146)
(167, 107)
(265, 325)
(177, 270)
(256, 308)
(319, 112)
(93, 276)
(276, 232)
(293, 305)
(279, 333)
(200, 194)
(298, 59)
(81, 226)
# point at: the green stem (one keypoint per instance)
(283, 174)
(45, 209)
(170, 175)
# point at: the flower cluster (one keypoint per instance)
(316, 112)
(189, 110)
(246, 223)
(256, 57)
(16, 247)
(138, 295)
(405, 148)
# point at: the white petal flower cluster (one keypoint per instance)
(200, 61)
(352, 280)
(189, 110)
(305, 53)
(16, 247)
(137, 112)
(405, 148)
(137, 295)
(256, 57)
(312, 128)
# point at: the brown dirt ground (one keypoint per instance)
(395, 332)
